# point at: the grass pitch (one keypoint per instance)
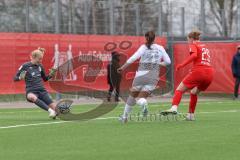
(28, 134)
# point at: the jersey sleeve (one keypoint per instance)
(21, 69)
(43, 74)
(136, 55)
(190, 59)
(192, 48)
(166, 58)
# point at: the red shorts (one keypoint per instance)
(200, 78)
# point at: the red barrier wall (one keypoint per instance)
(221, 57)
(16, 47)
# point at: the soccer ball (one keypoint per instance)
(64, 106)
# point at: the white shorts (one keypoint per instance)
(145, 81)
(145, 88)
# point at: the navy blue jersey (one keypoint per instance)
(35, 73)
(236, 65)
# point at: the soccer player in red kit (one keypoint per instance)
(198, 79)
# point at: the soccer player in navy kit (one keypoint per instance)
(33, 73)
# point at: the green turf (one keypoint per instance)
(215, 135)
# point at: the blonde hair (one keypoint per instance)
(38, 52)
(194, 35)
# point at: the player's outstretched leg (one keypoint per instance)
(176, 100)
(128, 108)
(52, 110)
(33, 98)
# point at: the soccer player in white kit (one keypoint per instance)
(152, 56)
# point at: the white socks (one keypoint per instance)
(52, 113)
(127, 110)
(174, 108)
(50, 110)
(131, 102)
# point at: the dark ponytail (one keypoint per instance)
(150, 37)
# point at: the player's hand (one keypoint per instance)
(52, 71)
(179, 66)
(22, 75)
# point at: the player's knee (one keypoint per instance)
(31, 97)
(194, 91)
(142, 102)
(131, 101)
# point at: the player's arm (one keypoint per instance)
(166, 58)
(47, 77)
(192, 57)
(133, 58)
(21, 73)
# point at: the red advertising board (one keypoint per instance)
(15, 49)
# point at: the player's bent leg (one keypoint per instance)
(131, 101)
(52, 105)
(31, 97)
(178, 95)
(45, 97)
(34, 99)
(52, 110)
(176, 99)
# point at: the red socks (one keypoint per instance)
(192, 103)
(177, 97)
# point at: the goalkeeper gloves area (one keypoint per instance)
(52, 72)
(22, 75)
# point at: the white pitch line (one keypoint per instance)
(48, 123)
(101, 118)
(19, 112)
(32, 124)
(227, 111)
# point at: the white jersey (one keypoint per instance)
(149, 59)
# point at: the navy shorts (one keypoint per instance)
(42, 95)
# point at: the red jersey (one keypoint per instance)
(203, 56)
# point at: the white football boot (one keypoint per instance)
(52, 113)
